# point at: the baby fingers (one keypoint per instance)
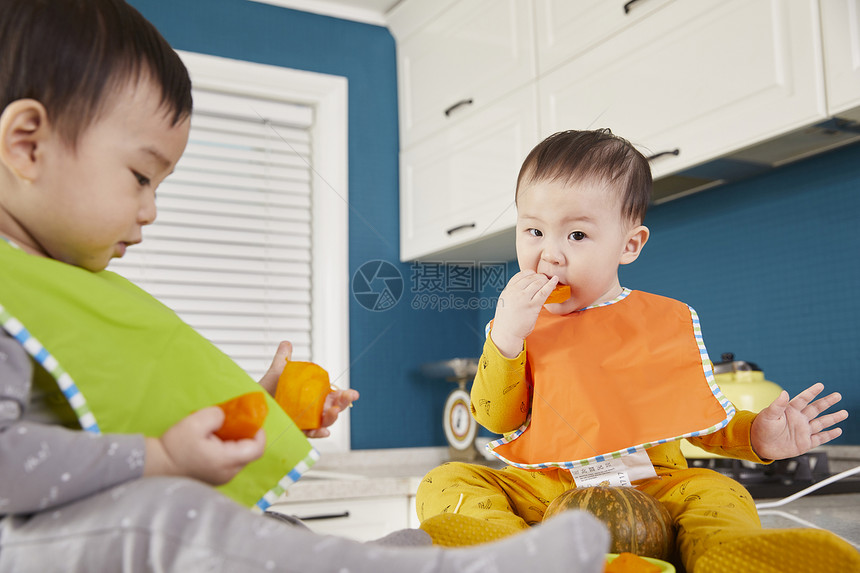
(814, 408)
(820, 423)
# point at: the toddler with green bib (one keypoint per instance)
(108, 452)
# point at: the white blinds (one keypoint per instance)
(230, 251)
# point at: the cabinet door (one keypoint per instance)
(458, 186)
(840, 25)
(461, 61)
(566, 29)
(703, 78)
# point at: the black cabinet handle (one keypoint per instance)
(325, 516)
(460, 103)
(628, 5)
(453, 230)
(662, 153)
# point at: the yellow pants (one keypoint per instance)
(707, 507)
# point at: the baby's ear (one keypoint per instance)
(636, 239)
(24, 128)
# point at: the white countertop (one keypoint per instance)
(366, 473)
(398, 471)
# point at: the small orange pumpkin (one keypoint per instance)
(301, 392)
(637, 522)
(243, 416)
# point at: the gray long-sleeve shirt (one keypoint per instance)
(44, 460)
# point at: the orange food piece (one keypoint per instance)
(243, 416)
(302, 390)
(559, 294)
(630, 563)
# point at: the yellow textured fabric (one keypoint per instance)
(782, 550)
(456, 530)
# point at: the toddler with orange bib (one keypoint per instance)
(592, 383)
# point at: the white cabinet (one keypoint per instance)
(699, 79)
(716, 89)
(460, 61)
(458, 186)
(840, 24)
(362, 519)
(566, 29)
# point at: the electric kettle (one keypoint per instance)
(743, 383)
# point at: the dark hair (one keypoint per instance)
(70, 54)
(597, 155)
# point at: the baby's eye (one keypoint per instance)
(534, 232)
(142, 180)
(577, 236)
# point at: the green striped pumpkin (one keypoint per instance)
(637, 522)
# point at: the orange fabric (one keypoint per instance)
(613, 377)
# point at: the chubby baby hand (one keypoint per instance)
(190, 448)
(788, 428)
(518, 308)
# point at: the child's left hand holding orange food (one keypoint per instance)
(336, 400)
(190, 448)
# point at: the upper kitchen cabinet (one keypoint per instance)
(455, 61)
(691, 81)
(712, 90)
(840, 24)
(566, 29)
(457, 186)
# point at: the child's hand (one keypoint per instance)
(190, 448)
(789, 428)
(518, 309)
(269, 381)
(335, 403)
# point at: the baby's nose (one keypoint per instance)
(551, 256)
(148, 212)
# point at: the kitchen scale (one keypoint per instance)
(457, 421)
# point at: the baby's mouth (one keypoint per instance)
(560, 282)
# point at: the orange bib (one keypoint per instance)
(614, 379)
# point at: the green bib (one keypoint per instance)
(128, 364)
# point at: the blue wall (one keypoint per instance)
(398, 407)
(770, 264)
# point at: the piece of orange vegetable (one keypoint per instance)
(302, 390)
(630, 563)
(243, 416)
(559, 294)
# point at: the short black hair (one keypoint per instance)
(597, 155)
(71, 54)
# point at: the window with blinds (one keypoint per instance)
(231, 249)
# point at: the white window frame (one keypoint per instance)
(327, 95)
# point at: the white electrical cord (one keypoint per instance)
(810, 489)
(764, 508)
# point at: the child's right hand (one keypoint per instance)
(518, 309)
(190, 448)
